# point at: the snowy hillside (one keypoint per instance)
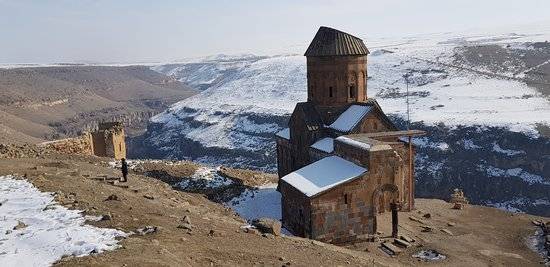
(483, 99)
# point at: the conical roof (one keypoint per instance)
(332, 42)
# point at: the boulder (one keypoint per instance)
(266, 225)
(112, 197)
(186, 219)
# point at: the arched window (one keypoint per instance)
(351, 91)
(330, 93)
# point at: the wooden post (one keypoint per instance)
(411, 181)
(394, 220)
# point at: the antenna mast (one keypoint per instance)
(407, 97)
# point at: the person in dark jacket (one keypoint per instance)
(124, 169)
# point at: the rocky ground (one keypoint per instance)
(189, 229)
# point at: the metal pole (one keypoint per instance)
(408, 111)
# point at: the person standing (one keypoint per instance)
(124, 169)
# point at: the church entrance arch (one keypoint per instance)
(381, 196)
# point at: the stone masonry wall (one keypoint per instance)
(296, 210)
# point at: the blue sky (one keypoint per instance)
(46, 31)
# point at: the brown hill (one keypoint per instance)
(52, 102)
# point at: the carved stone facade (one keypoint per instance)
(341, 162)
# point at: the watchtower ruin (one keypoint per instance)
(109, 140)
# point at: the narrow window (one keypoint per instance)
(346, 199)
(301, 214)
(330, 91)
(351, 92)
(120, 146)
(375, 126)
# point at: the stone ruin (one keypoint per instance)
(458, 199)
(107, 141)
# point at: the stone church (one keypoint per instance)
(341, 161)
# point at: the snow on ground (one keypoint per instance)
(204, 177)
(515, 172)
(264, 201)
(47, 230)
(516, 204)
(439, 91)
(508, 152)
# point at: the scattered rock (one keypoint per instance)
(186, 219)
(427, 229)
(537, 223)
(112, 197)
(214, 233)
(253, 231)
(446, 231)
(147, 230)
(149, 197)
(106, 217)
(415, 219)
(406, 238)
(451, 224)
(266, 225)
(402, 243)
(20, 225)
(267, 235)
(391, 248)
(186, 226)
(427, 215)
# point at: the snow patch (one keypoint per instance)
(508, 152)
(204, 177)
(51, 231)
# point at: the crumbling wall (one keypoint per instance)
(81, 145)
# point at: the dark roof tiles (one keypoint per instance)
(332, 42)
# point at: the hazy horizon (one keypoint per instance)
(139, 31)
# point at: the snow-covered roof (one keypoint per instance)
(325, 144)
(284, 133)
(353, 143)
(349, 118)
(323, 175)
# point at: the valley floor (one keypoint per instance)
(477, 236)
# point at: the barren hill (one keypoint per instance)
(51, 102)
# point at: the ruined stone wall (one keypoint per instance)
(109, 141)
(81, 145)
(296, 210)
